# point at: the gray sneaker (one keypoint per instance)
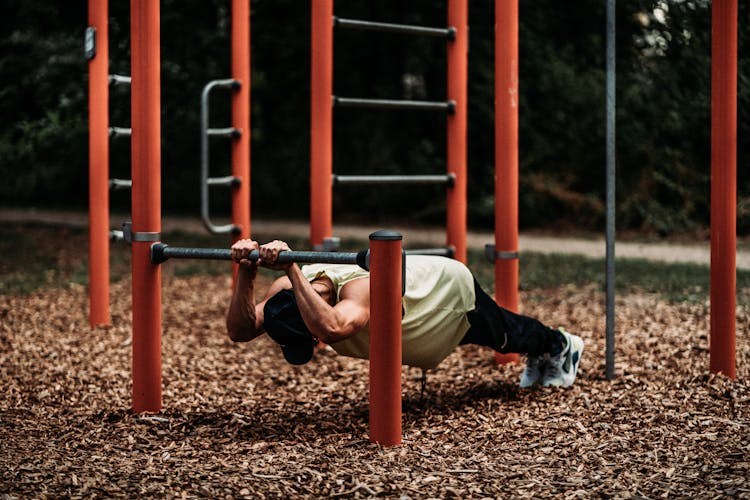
(562, 369)
(535, 366)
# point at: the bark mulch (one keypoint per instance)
(240, 422)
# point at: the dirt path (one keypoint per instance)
(698, 252)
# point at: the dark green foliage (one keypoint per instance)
(663, 118)
(43, 140)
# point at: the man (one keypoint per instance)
(443, 307)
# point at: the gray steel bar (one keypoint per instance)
(119, 80)
(117, 132)
(610, 131)
(161, 252)
(351, 102)
(223, 132)
(206, 131)
(228, 180)
(408, 29)
(120, 184)
(394, 179)
(439, 252)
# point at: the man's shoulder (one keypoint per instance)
(356, 291)
(357, 284)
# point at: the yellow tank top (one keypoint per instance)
(439, 293)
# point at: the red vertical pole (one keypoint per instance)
(506, 158)
(386, 269)
(146, 203)
(321, 122)
(241, 115)
(723, 186)
(458, 56)
(99, 165)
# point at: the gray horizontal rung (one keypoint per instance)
(394, 179)
(440, 252)
(226, 83)
(349, 102)
(119, 132)
(409, 29)
(222, 229)
(229, 180)
(119, 80)
(224, 132)
(120, 184)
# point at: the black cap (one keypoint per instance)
(284, 324)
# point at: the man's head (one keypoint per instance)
(284, 324)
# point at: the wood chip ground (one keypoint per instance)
(240, 422)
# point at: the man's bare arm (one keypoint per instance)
(330, 324)
(245, 317)
(327, 323)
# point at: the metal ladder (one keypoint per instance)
(447, 106)
(206, 133)
(119, 133)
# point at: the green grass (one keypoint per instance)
(36, 256)
(674, 282)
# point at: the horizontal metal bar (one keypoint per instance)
(440, 252)
(115, 235)
(449, 179)
(117, 132)
(351, 102)
(119, 80)
(228, 180)
(409, 29)
(226, 83)
(221, 228)
(160, 252)
(120, 184)
(224, 132)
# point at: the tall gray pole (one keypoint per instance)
(610, 131)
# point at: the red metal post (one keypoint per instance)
(241, 122)
(723, 186)
(386, 269)
(458, 56)
(146, 203)
(99, 165)
(506, 158)
(321, 122)
(241, 115)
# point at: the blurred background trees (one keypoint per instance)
(663, 117)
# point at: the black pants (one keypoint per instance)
(504, 331)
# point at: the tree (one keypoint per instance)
(663, 96)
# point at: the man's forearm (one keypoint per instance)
(241, 318)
